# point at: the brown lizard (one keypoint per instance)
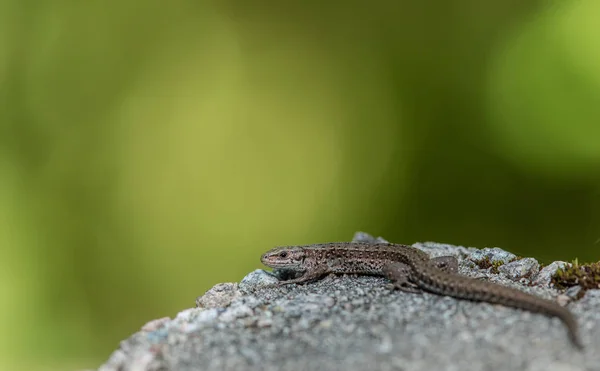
(410, 270)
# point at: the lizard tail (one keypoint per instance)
(453, 285)
(521, 300)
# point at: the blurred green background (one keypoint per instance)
(151, 149)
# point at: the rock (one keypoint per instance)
(155, 324)
(257, 279)
(544, 277)
(494, 254)
(523, 268)
(356, 323)
(574, 292)
(365, 237)
(219, 296)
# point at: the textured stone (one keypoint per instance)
(358, 323)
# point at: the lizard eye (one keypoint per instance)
(283, 254)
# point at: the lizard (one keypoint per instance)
(410, 270)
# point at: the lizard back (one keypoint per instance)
(360, 258)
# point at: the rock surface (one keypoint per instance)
(359, 323)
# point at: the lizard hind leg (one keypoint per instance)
(399, 274)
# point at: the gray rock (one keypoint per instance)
(435, 249)
(563, 300)
(365, 237)
(523, 268)
(235, 312)
(257, 279)
(494, 254)
(356, 323)
(554, 366)
(573, 292)
(544, 277)
(219, 296)
(156, 324)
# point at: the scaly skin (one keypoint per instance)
(411, 270)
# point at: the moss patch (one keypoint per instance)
(585, 275)
(486, 263)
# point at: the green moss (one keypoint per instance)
(585, 275)
(486, 263)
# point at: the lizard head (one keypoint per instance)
(289, 257)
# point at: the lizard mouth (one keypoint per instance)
(267, 260)
(271, 262)
(275, 264)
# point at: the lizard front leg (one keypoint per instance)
(308, 276)
(399, 274)
(448, 264)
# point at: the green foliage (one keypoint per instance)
(149, 150)
(486, 263)
(585, 275)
